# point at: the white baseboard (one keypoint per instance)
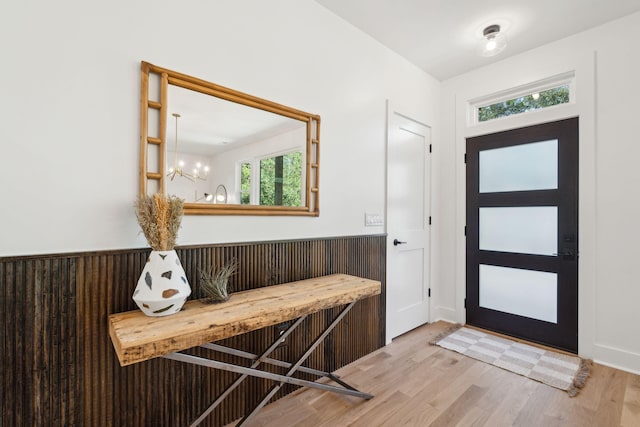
(617, 358)
(446, 314)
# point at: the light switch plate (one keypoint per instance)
(373, 219)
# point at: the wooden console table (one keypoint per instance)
(137, 337)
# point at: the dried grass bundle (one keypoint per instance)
(214, 283)
(159, 217)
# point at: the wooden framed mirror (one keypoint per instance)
(223, 151)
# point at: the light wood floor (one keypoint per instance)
(417, 384)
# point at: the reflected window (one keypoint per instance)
(245, 183)
(281, 180)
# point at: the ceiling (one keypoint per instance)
(443, 36)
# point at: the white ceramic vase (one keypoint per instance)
(163, 287)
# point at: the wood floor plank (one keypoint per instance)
(491, 401)
(631, 406)
(417, 384)
(379, 414)
(459, 407)
(612, 398)
(516, 397)
(591, 395)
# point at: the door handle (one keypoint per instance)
(566, 253)
(397, 242)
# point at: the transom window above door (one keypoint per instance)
(546, 93)
(522, 104)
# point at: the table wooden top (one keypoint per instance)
(137, 337)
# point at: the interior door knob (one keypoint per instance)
(397, 242)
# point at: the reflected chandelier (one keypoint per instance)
(198, 173)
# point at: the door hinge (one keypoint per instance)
(465, 230)
(429, 219)
(465, 303)
(430, 148)
(465, 157)
(429, 293)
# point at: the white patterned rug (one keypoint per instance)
(558, 370)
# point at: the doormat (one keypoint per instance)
(558, 370)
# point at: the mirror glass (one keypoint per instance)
(258, 157)
(224, 151)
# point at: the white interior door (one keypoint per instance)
(408, 212)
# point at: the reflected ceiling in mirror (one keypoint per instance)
(199, 137)
(209, 125)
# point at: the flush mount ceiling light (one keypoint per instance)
(494, 41)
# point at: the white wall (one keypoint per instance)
(606, 62)
(70, 109)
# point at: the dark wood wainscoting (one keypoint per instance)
(58, 367)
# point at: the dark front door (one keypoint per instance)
(522, 233)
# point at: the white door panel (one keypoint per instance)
(410, 296)
(408, 205)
